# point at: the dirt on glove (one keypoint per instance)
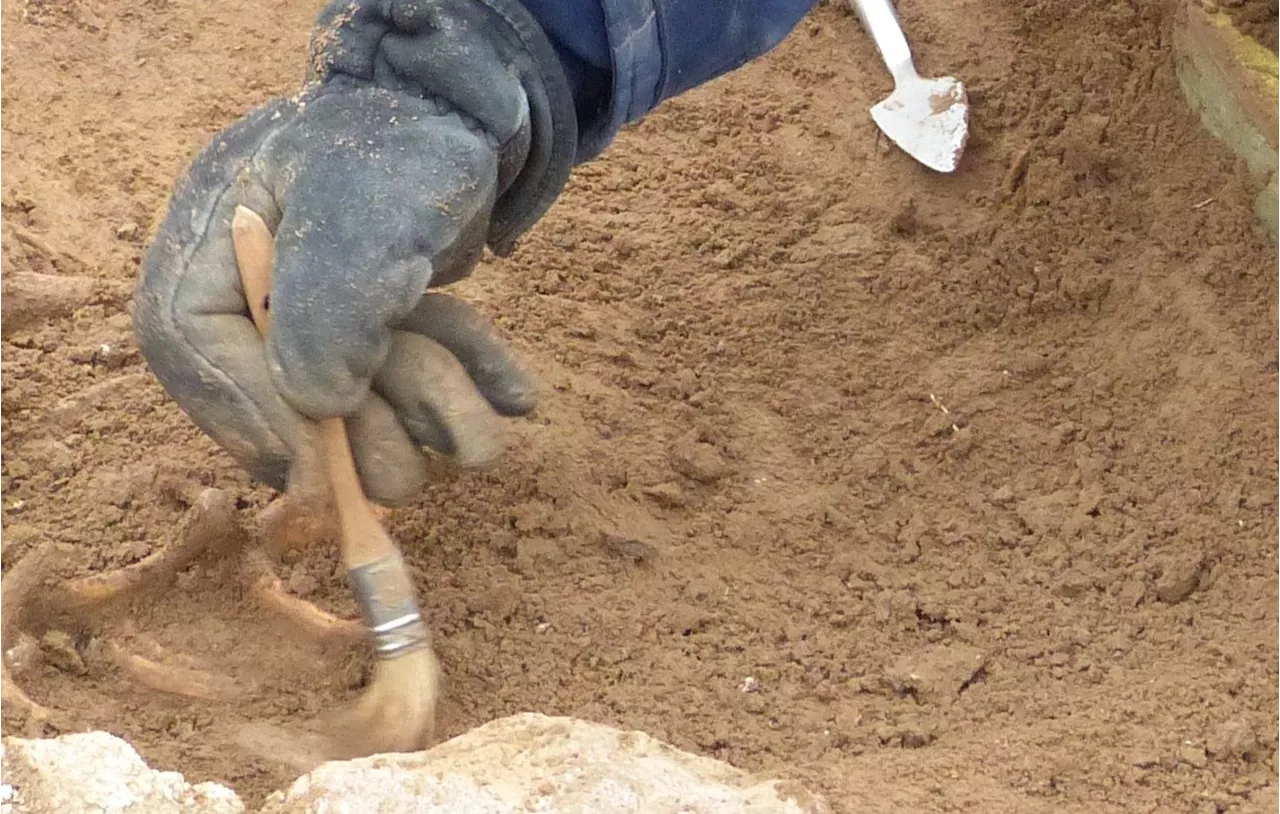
(930, 493)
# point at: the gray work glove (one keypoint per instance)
(426, 130)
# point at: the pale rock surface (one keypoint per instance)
(532, 762)
(97, 773)
(524, 763)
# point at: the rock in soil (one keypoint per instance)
(533, 762)
(526, 762)
(60, 651)
(97, 773)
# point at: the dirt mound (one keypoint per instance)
(927, 491)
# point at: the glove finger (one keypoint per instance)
(392, 469)
(474, 342)
(446, 48)
(500, 106)
(438, 403)
(190, 319)
(214, 367)
(377, 187)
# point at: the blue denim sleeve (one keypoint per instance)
(625, 57)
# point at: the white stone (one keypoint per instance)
(525, 763)
(97, 773)
(529, 763)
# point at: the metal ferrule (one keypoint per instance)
(391, 614)
(400, 636)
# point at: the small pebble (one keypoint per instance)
(24, 656)
(1179, 579)
(60, 651)
(1233, 739)
(669, 495)
(1193, 755)
(699, 462)
(301, 583)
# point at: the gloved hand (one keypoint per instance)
(426, 130)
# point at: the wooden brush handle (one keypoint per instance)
(363, 537)
(367, 542)
(255, 250)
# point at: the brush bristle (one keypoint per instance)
(397, 713)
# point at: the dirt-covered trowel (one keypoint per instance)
(927, 118)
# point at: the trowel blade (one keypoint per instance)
(928, 119)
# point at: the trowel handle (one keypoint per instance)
(880, 20)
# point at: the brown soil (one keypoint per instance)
(931, 493)
(1257, 18)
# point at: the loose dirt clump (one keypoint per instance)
(928, 492)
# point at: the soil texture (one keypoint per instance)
(931, 493)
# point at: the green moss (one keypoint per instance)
(1209, 95)
(1266, 208)
(1250, 53)
(1209, 91)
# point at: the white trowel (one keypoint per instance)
(927, 118)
